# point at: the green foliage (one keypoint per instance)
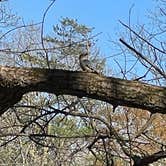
(70, 37)
(69, 40)
(69, 127)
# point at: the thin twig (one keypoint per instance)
(19, 27)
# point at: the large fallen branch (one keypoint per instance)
(14, 82)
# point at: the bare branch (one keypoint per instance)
(142, 38)
(144, 58)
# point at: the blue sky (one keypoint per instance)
(103, 15)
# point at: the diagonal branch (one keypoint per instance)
(162, 51)
(144, 58)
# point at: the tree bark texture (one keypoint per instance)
(14, 82)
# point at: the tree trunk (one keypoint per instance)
(14, 82)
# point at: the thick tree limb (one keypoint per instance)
(14, 82)
(146, 160)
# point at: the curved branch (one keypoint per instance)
(42, 32)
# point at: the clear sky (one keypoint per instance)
(103, 15)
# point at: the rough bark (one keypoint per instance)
(14, 82)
